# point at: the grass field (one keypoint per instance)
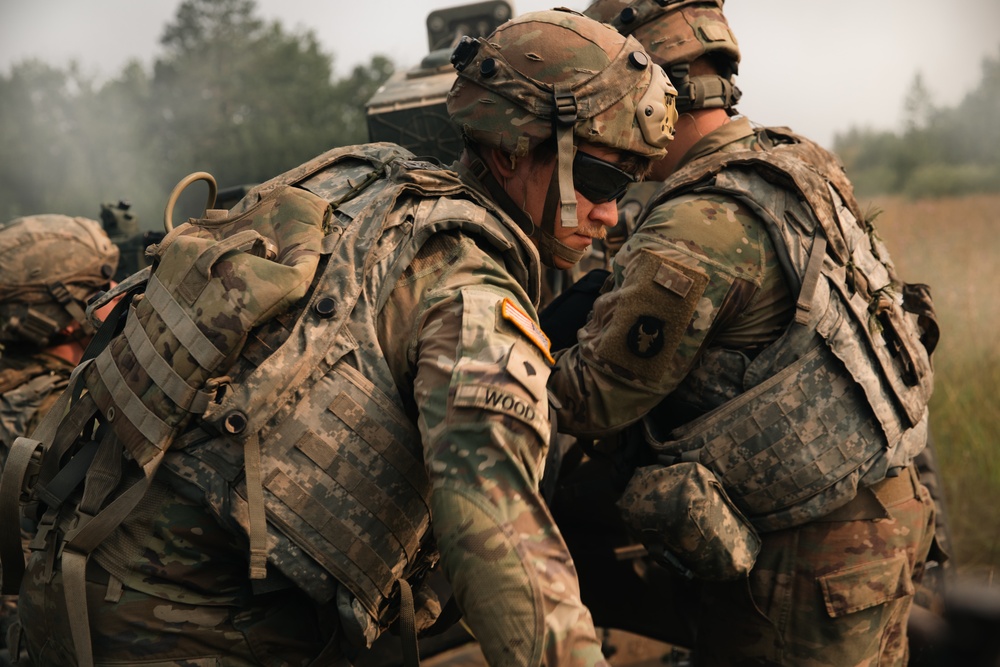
(954, 246)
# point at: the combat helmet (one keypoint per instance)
(676, 33)
(559, 74)
(50, 265)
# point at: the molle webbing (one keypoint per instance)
(773, 183)
(216, 279)
(777, 447)
(842, 395)
(344, 486)
(786, 166)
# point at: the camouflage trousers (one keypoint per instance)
(128, 627)
(835, 592)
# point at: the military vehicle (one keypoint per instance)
(409, 108)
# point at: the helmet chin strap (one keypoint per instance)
(549, 247)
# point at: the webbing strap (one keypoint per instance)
(57, 489)
(11, 482)
(145, 421)
(104, 475)
(255, 507)
(161, 373)
(565, 123)
(46, 429)
(811, 278)
(80, 542)
(548, 245)
(407, 626)
(177, 320)
(69, 304)
(70, 426)
(74, 568)
(17, 467)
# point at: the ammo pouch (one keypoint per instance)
(684, 518)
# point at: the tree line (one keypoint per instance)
(231, 94)
(938, 152)
(245, 99)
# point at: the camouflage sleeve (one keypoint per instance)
(692, 259)
(24, 406)
(478, 366)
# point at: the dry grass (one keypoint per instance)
(954, 246)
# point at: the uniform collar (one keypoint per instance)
(722, 136)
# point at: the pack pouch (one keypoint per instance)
(213, 281)
(684, 518)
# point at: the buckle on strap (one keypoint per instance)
(566, 110)
(60, 293)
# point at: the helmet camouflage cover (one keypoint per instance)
(676, 33)
(49, 265)
(558, 72)
(554, 67)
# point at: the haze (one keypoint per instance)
(819, 67)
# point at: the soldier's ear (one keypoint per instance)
(501, 163)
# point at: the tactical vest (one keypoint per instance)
(840, 399)
(310, 449)
(344, 484)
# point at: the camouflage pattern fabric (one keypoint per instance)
(676, 34)
(186, 602)
(505, 95)
(676, 279)
(49, 265)
(699, 292)
(463, 364)
(826, 594)
(28, 388)
(684, 518)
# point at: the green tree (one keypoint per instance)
(45, 139)
(230, 94)
(939, 152)
(236, 96)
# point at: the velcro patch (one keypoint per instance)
(655, 305)
(674, 280)
(524, 322)
(524, 366)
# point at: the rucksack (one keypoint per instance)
(212, 280)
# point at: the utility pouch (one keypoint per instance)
(213, 280)
(684, 518)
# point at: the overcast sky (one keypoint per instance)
(819, 66)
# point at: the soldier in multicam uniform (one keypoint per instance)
(50, 265)
(773, 375)
(395, 416)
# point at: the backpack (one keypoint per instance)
(212, 280)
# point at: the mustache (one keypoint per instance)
(594, 230)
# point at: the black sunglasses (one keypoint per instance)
(597, 180)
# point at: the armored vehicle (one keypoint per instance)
(409, 108)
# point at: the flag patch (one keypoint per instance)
(520, 319)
